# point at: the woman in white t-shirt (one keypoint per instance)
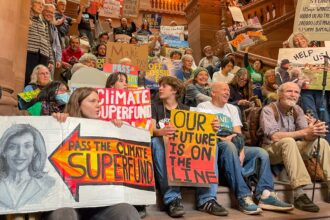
(224, 74)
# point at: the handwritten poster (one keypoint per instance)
(110, 8)
(131, 72)
(306, 66)
(313, 18)
(191, 153)
(79, 163)
(131, 106)
(137, 53)
(130, 8)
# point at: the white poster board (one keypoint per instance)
(236, 13)
(79, 163)
(313, 18)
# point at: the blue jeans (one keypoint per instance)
(229, 164)
(170, 193)
(311, 100)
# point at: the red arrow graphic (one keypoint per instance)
(103, 161)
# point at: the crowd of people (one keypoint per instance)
(289, 135)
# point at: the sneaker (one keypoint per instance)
(273, 203)
(175, 208)
(247, 206)
(304, 203)
(141, 210)
(213, 208)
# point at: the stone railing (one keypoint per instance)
(166, 6)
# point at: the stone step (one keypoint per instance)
(226, 199)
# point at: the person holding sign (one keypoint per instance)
(84, 103)
(235, 161)
(169, 93)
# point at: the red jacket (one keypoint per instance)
(68, 54)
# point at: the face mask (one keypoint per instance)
(63, 98)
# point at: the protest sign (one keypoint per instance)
(123, 38)
(137, 53)
(236, 13)
(130, 8)
(110, 8)
(306, 66)
(87, 77)
(174, 31)
(28, 96)
(143, 39)
(155, 72)
(131, 72)
(176, 43)
(313, 18)
(131, 106)
(79, 163)
(100, 62)
(154, 20)
(191, 152)
(244, 34)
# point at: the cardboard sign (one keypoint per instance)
(175, 31)
(28, 96)
(313, 18)
(131, 106)
(79, 163)
(131, 72)
(236, 13)
(137, 53)
(110, 8)
(155, 72)
(154, 20)
(88, 77)
(244, 34)
(307, 65)
(130, 8)
(122, 38)
(191, 153)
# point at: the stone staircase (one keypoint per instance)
(226, 199)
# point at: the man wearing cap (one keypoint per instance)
(282, 75)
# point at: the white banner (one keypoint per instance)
(46, 165)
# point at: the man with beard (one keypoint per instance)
(289, 137)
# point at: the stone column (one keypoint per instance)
(14, 24)
(204, 19)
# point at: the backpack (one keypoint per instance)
(251, 118)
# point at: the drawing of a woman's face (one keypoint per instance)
(19, 152)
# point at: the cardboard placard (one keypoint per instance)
(236, 13)
(191, 153)
(313, 18)
(79, 163)
(131, 106)
(308, 66)
(110, 8)
(137, 53)
(130, 8)
(131, 72)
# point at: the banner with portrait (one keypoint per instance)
(306, 66)
(154, 20)
(47, 165)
